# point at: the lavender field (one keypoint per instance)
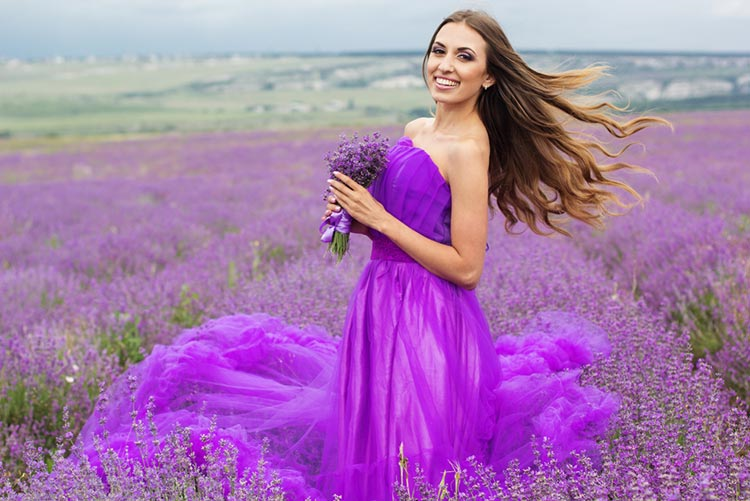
(109, 248)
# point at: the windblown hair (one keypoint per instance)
(540, 172)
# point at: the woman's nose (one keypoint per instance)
(446, 64)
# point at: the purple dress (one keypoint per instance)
(416, 365)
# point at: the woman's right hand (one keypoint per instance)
(331, 207)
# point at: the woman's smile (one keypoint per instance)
(446, 83)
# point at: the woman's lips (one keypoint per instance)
(446, 83)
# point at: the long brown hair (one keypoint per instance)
(539, 171)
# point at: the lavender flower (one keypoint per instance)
(362, 161)
(99, 263)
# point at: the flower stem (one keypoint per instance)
(339, 245)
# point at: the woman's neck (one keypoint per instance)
(454, 119)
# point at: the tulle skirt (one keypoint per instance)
(416, 369)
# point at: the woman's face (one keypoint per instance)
(457, 64)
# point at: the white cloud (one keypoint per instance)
(731, 8)
(38, 27)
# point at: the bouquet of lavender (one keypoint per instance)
(361, 160)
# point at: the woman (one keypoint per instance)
(416, 367)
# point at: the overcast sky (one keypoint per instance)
(41, 28)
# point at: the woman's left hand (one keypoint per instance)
(357, 201)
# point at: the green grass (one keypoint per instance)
(42, 102)
(76, 98)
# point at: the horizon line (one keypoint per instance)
(370, 52)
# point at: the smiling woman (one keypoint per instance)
(417, 373)
(417, 366)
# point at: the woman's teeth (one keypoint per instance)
(443, 81)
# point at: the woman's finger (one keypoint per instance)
(339, 189)
(336, 184)
(349, 182)
(345, 201)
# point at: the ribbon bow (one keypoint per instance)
(339, 221)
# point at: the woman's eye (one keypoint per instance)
(466, 57)
(437, 50)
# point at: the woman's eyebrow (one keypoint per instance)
(460, 48)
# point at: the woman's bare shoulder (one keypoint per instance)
(473, 147)
(414, 127)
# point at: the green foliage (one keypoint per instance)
(706, 328)
(14, 408)
(266, 255)
(225, 227)
(179, 251)
(187, 313)
(53, 242)
(125, 343)
(47, 302)
(37, 402)
(743, 224)
(232, 275)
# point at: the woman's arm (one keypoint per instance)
(360, 228)
(463, 260)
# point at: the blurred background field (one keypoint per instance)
(142, 195)
(128, 96)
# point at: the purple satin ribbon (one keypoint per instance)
(339, 221)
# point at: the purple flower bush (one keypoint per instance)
(686, 252)
(108, 249)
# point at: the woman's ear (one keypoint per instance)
(488, 82)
